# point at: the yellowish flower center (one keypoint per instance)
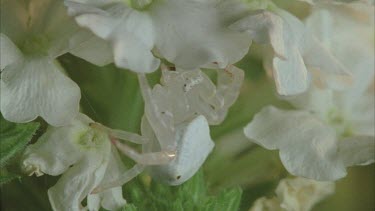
(92, 139)
(338, 120)
(36, 44)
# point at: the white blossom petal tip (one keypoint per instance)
(302, 194)
(8, 51)
(295, 194)
(265, 28)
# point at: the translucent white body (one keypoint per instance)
(189, 93)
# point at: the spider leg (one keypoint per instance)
(151, 158)
(124, 178)
(120, 134)
(161, 124)
(229, 84)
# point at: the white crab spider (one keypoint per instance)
(177, 115)
(172, 153)
(189, 139)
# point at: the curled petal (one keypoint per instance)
(36, 87)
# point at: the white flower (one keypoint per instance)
(337, 2)
(295, 50)
(32, 35)
(297, 194)
(321, 139)
(347, 30)
(85, 158)
(332, 129)
(188, 33)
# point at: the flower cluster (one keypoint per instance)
(295, 194)
(315, 63)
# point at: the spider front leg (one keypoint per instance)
(155, 158)
(160, 119)
(229, 84)
(124, 178)
(151, 158)
(120, 134)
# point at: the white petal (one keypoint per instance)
(336, 26)
(316, 100)
(55, 151)
(291, 75)
(307, 147)
(263, 204)
(110, 199)
(361, 115)
(54, 24)
(264, 27)
(357, 150)
(194, 33)
(130, 32)
(115, 168)
(36, 87)
(317, 56)
(77, 183)
(91, 48)
(8, 51)
(302, 194)
(93, 202)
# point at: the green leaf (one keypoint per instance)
(144, 194)
(13, 138)
(7, 177)
(110, 95)
(129, 207)
(227, 200)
